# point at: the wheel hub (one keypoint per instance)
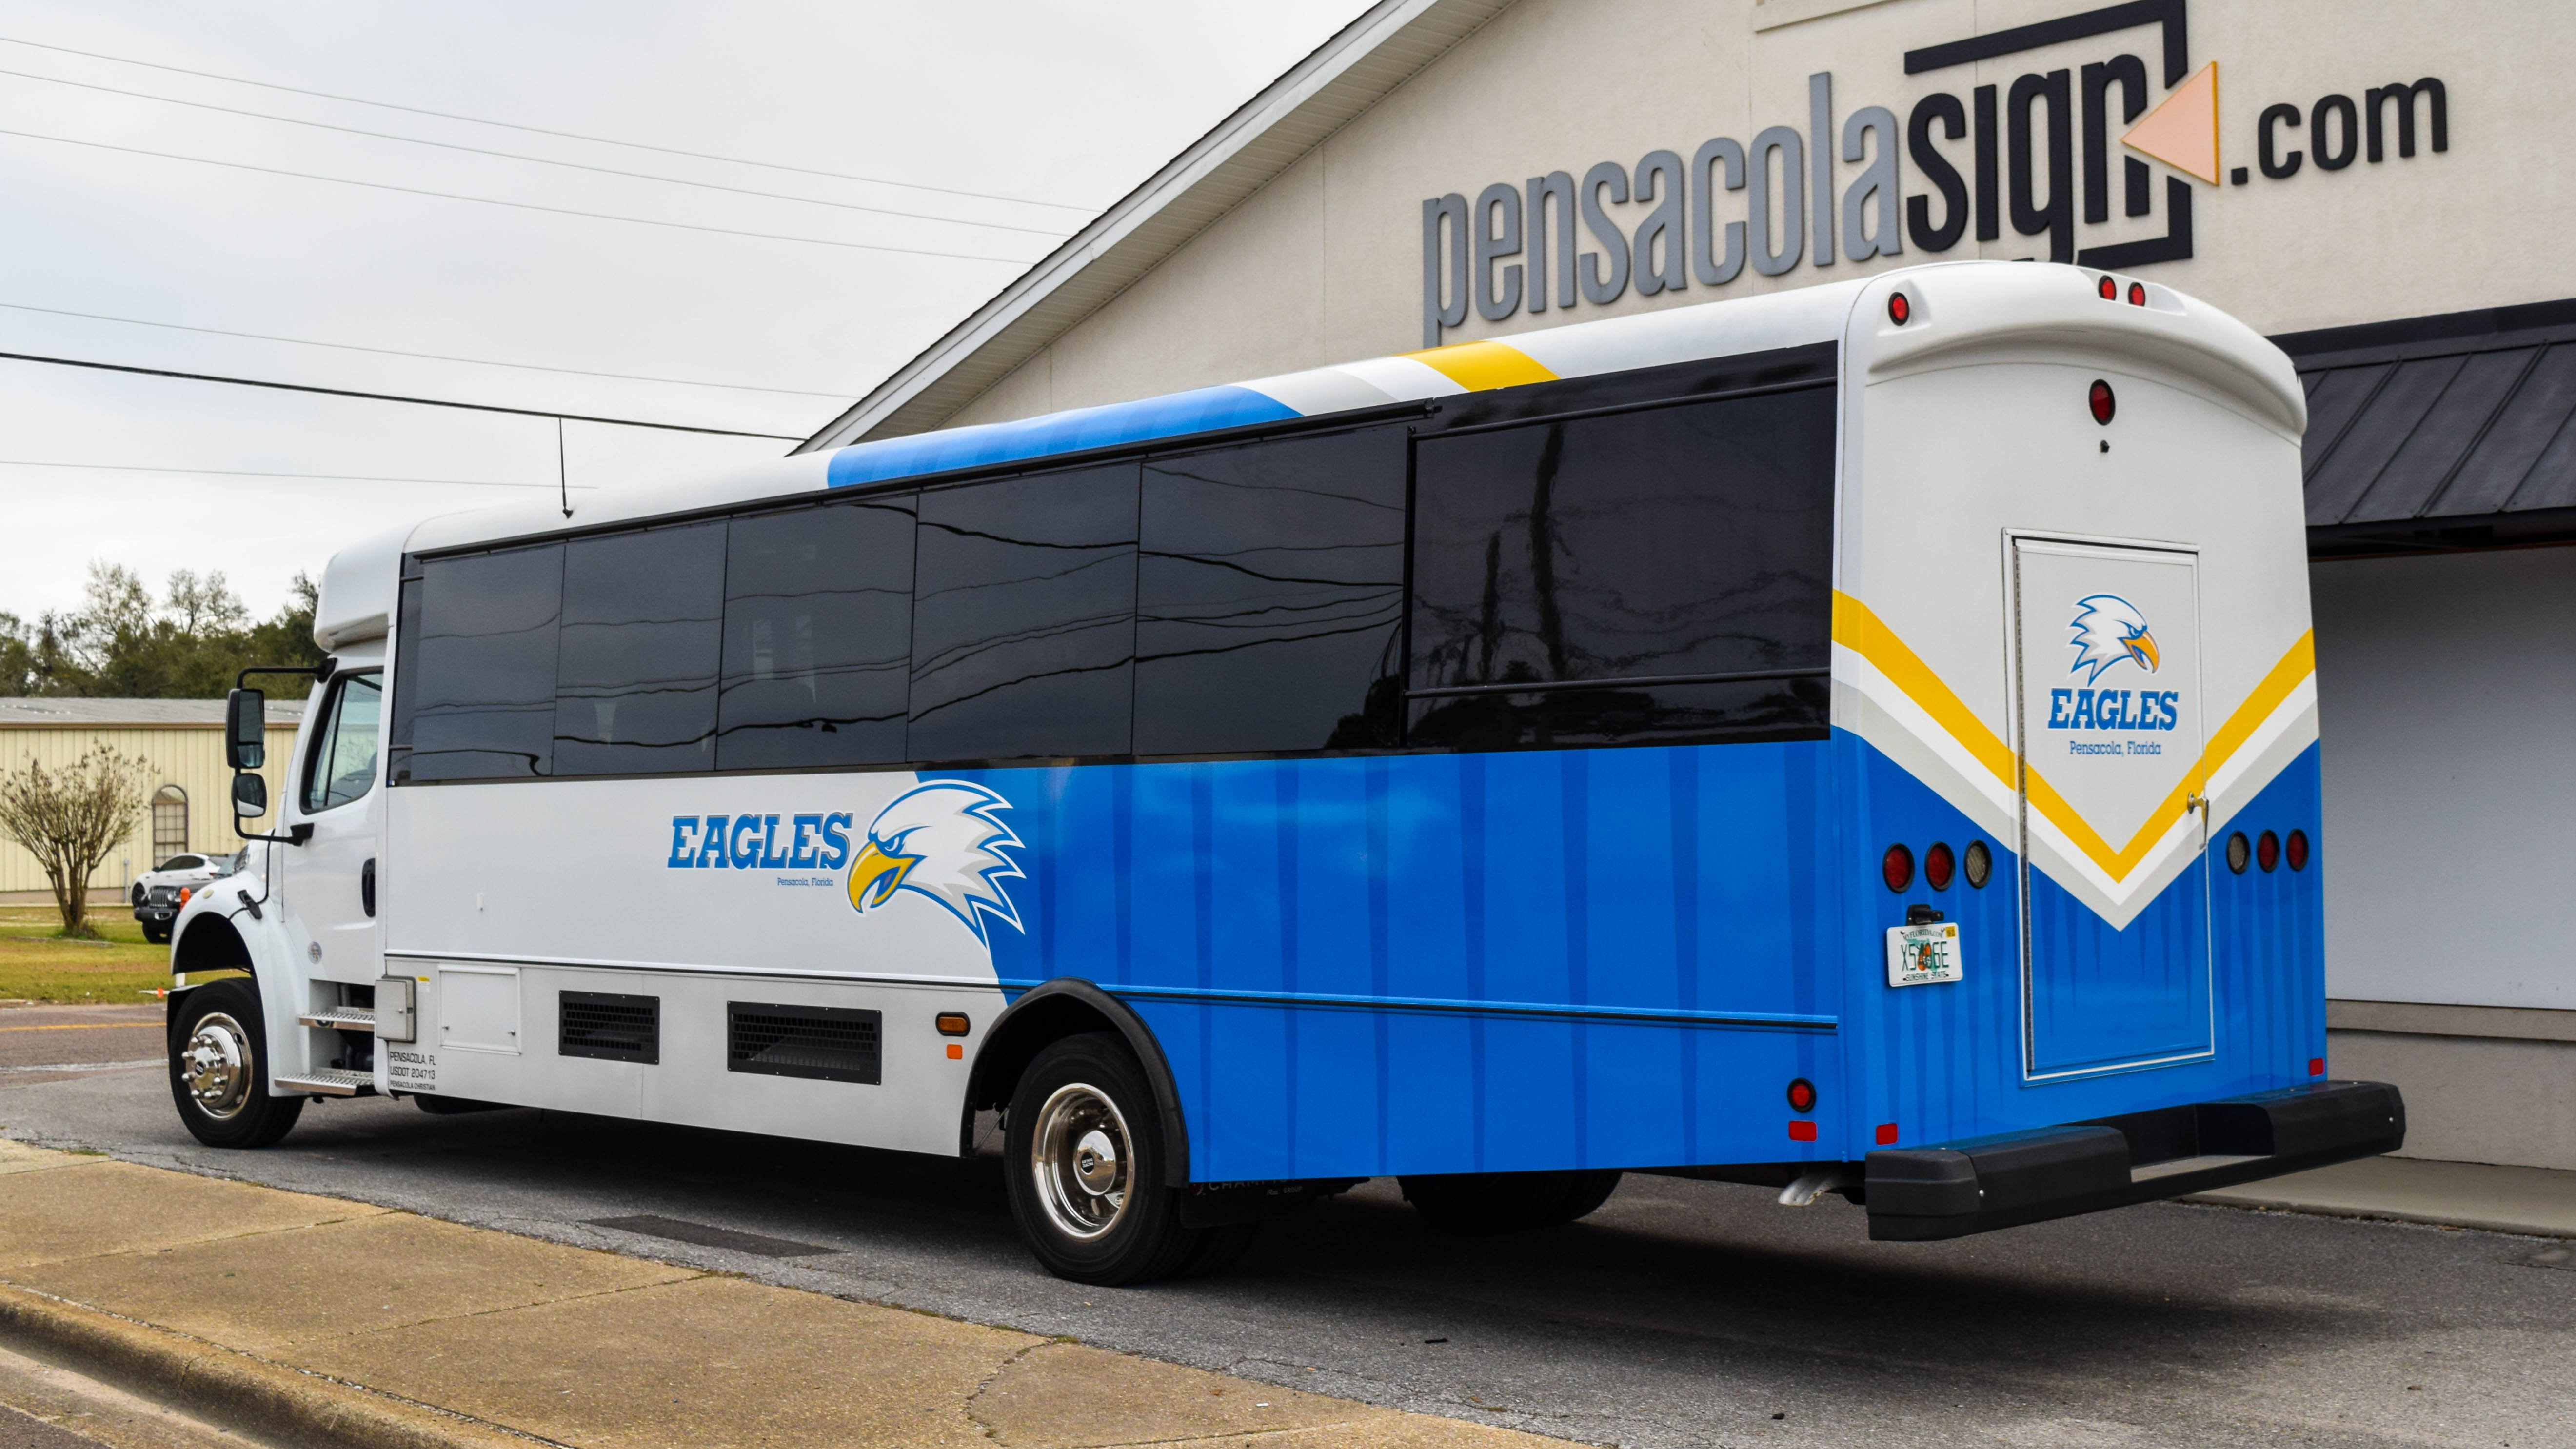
(216, 1064)
(1079, 1157)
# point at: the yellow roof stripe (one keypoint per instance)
(1858, 629)
(1480, 366)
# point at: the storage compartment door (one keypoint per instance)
(2115, 891)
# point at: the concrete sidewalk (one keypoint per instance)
(2533, 1200)
(319, 1321)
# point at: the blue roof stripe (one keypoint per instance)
(1201, 410)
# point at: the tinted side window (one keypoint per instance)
(1269, 592)
(482, 668)
(818, 637)
(636, 689)
(1665, 544)
(1024, 617)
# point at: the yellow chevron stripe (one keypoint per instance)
(1858, 629)
(1481, 366)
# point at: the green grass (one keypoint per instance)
(36, 964)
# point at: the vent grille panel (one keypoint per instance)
(824, 1043)
(609, 1026)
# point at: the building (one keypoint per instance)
(2365, 180)
(180, 740)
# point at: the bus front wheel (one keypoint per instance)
(1085, 1155)
(219, 1068)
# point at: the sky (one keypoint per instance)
(896, 164)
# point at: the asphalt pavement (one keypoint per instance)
(1680, 1314)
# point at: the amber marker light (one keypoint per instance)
(954, 1023)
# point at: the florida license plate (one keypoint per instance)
(1923, 955)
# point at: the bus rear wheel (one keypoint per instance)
(1507, 1202)
(219, 1068)
(1085, 1170)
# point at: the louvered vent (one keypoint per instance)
(606, 1025)
(827, 1043)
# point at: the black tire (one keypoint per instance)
(219, 1068)
(1086, 1214)
(1479, 1203)
(134, 896)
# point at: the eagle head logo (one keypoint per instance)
(943, 840)
(2108, 629)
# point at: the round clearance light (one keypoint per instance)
(2239, 851)
(1980, 863)
(2137, 294)
(2267, 852)
(2110, 290)
(1939, 865)
(1802, 1095)
(2104, 405)
(2296, 847)
(1899, 310)
(1897, 867)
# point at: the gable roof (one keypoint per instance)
(1343, 77)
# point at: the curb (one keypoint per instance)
(232, 1389)
(2514, 1227)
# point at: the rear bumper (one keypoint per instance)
(1915, 1194)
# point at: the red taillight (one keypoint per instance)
(2267, 851)
(2297, 849)
(2137, 294)
(1938, 866)
(1802, 1131)
(2316, 1066)
(2104, 405)
(2110, 290)
(1897, 867)
(1887, 1134)
(1899, 311)
(1802, 1095)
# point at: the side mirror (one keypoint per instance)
(250, 795)
(246, 738)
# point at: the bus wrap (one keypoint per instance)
(1860, 739)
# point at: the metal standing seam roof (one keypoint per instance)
(2454, 431)
(133, 713)
(1319, 95)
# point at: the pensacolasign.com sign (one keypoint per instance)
(2000, 153)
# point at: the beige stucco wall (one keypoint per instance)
(1324, 265)
(189, 756)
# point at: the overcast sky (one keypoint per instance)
(1045, 112)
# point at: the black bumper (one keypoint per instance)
(156, 915)
(1919, 1193)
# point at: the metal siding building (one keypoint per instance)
(181, 741)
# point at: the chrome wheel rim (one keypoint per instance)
(216, 1064)
(1080, 1155)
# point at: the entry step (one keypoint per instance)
(343, 1018)
(330, 1082)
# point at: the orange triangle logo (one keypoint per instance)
(2183, 131)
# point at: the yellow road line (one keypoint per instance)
(91, 1026)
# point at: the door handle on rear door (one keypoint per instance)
(367, 886)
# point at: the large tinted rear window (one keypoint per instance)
(1661, 572)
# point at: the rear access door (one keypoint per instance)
(2115, 889)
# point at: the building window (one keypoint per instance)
(169, 821)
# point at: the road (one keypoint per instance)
(1680, 1314)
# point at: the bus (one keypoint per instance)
(1854, 740)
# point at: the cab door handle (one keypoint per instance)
(367, 886)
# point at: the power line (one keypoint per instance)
(427, 402)
(426, 356)
(518, 205)
(1057, 233)
(542, 131)
(264, 473)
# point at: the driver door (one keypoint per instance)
(330, 879)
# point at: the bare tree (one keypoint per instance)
(70, 818)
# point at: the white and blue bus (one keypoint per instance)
(1860, 739)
